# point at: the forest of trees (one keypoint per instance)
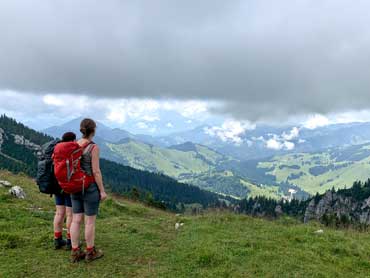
(122, 179)
(155, 189)
(11, 126)
(359, 190)
(266, 207)
(340, 217)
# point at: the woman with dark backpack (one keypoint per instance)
(85, 204)
(63, 209)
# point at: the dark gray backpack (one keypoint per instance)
(45, 170)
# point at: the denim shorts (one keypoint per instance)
(87, 201)
(63, 200)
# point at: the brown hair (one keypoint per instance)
(87, 127)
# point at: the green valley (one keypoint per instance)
(318, 172)
(189, 163)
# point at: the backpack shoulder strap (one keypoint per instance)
(88, 148)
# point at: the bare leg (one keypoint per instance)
(69, 219)
(90, 230)
(59, 218)
(75, 229)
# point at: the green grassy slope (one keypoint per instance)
(230, 184)
(318, 172)
(189, 163)
(142, 242)
(171, 161)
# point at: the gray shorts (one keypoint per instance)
(86, 202)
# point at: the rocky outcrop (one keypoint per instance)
(1, 137)
(333, 207)
(17, 192)
(20, 140)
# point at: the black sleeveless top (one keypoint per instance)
(86, 159)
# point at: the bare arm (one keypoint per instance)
(96, 171)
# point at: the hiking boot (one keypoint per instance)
(68, 244)
(77, 255)
(93, 255)
(59, 243)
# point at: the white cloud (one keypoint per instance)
(273, 144)
(360, 116)
(116, 116)
(293, 134)
(41, 111)
(150, 118)
(288, 145)
(170, 125)
(249, 143)
(53, 100)
(54, 109)
(193, 108)
(281, 142)
(142, 125)
(316, 121)
(146, 127)
(230, 131)
(260, 138)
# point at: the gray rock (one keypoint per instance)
(310, 211)
(278, 210)
(1, 137)
(17, 192)
(366, 203)
(346, 208)
(5, 183)
(20, 140)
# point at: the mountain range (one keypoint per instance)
(270, 160)
(261, 142)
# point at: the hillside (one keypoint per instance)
(173, 162)
(320, 171)
(189, 163)
(142, 242)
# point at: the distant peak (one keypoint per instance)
(126, 140)
(185, 147)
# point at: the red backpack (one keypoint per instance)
(67, 167)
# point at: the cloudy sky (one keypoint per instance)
(256, 60)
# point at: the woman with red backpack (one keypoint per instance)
(63, 209)
(85, 204)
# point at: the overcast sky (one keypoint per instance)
(258, 60)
